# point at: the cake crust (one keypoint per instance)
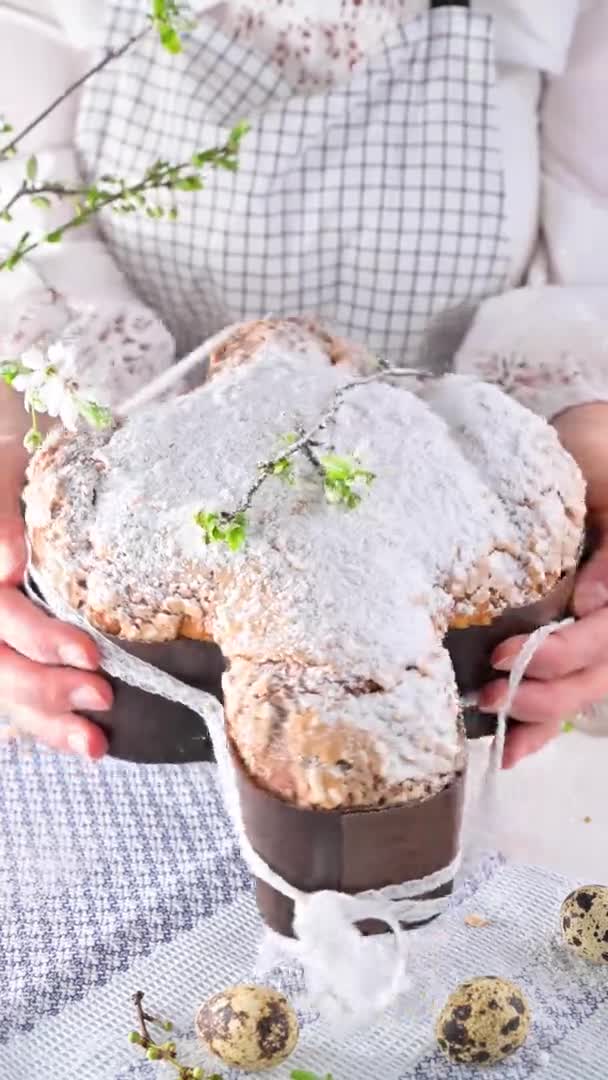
(339, 692)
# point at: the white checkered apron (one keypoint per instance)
(374, 204)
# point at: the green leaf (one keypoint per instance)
(33, 440)
(228, 164)
(283, 468)
(207, 522)
(235, 532)
(299, 1074)
(338, 492)
(31, 169)
(336, 468)
(92, 197)
(567, 727)
(189, 183)
(238, 133)
(17, 253)
(225, 529)
(9, 371)
(170, 39)
(40, 201)
(96, 415)
(340, 474)
(54, 237)
(6, 216)
(202, 157)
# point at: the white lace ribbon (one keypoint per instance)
(330, 947)
(351, 979)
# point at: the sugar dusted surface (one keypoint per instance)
(355, 602)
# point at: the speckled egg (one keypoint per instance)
(249, 1027)
(584, 921)
(483, 1021)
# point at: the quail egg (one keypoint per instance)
(584, 922)
(248, 1027)
(483, 1021)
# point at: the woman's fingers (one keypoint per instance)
(583, 644)
(28, 630)
(539, 702)
(524, 739)
(46, 667)
(591, 590)
(53, 690)
(66, 732)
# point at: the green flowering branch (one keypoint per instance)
(342, 477)
(165, 18)
(165, 1051)
(110, 192)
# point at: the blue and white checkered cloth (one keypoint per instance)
(115, 877)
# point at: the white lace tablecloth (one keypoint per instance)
(115, 878)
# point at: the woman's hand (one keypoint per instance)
(46, 668)
(570, 671)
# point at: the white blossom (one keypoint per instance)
(47, 379)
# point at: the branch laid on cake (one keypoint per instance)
(343, 477)
(112, 192)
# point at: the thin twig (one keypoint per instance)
(306, 441)
(138, 998)
(59, 190)
(151, 182)
(20, 192)
(108, 58)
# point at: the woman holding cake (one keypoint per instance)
(394, 169)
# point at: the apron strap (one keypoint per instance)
(450, 3)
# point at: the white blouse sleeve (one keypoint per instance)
(72, 290)
(547, 343)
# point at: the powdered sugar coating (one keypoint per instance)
(339, 614)
(349, 744)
